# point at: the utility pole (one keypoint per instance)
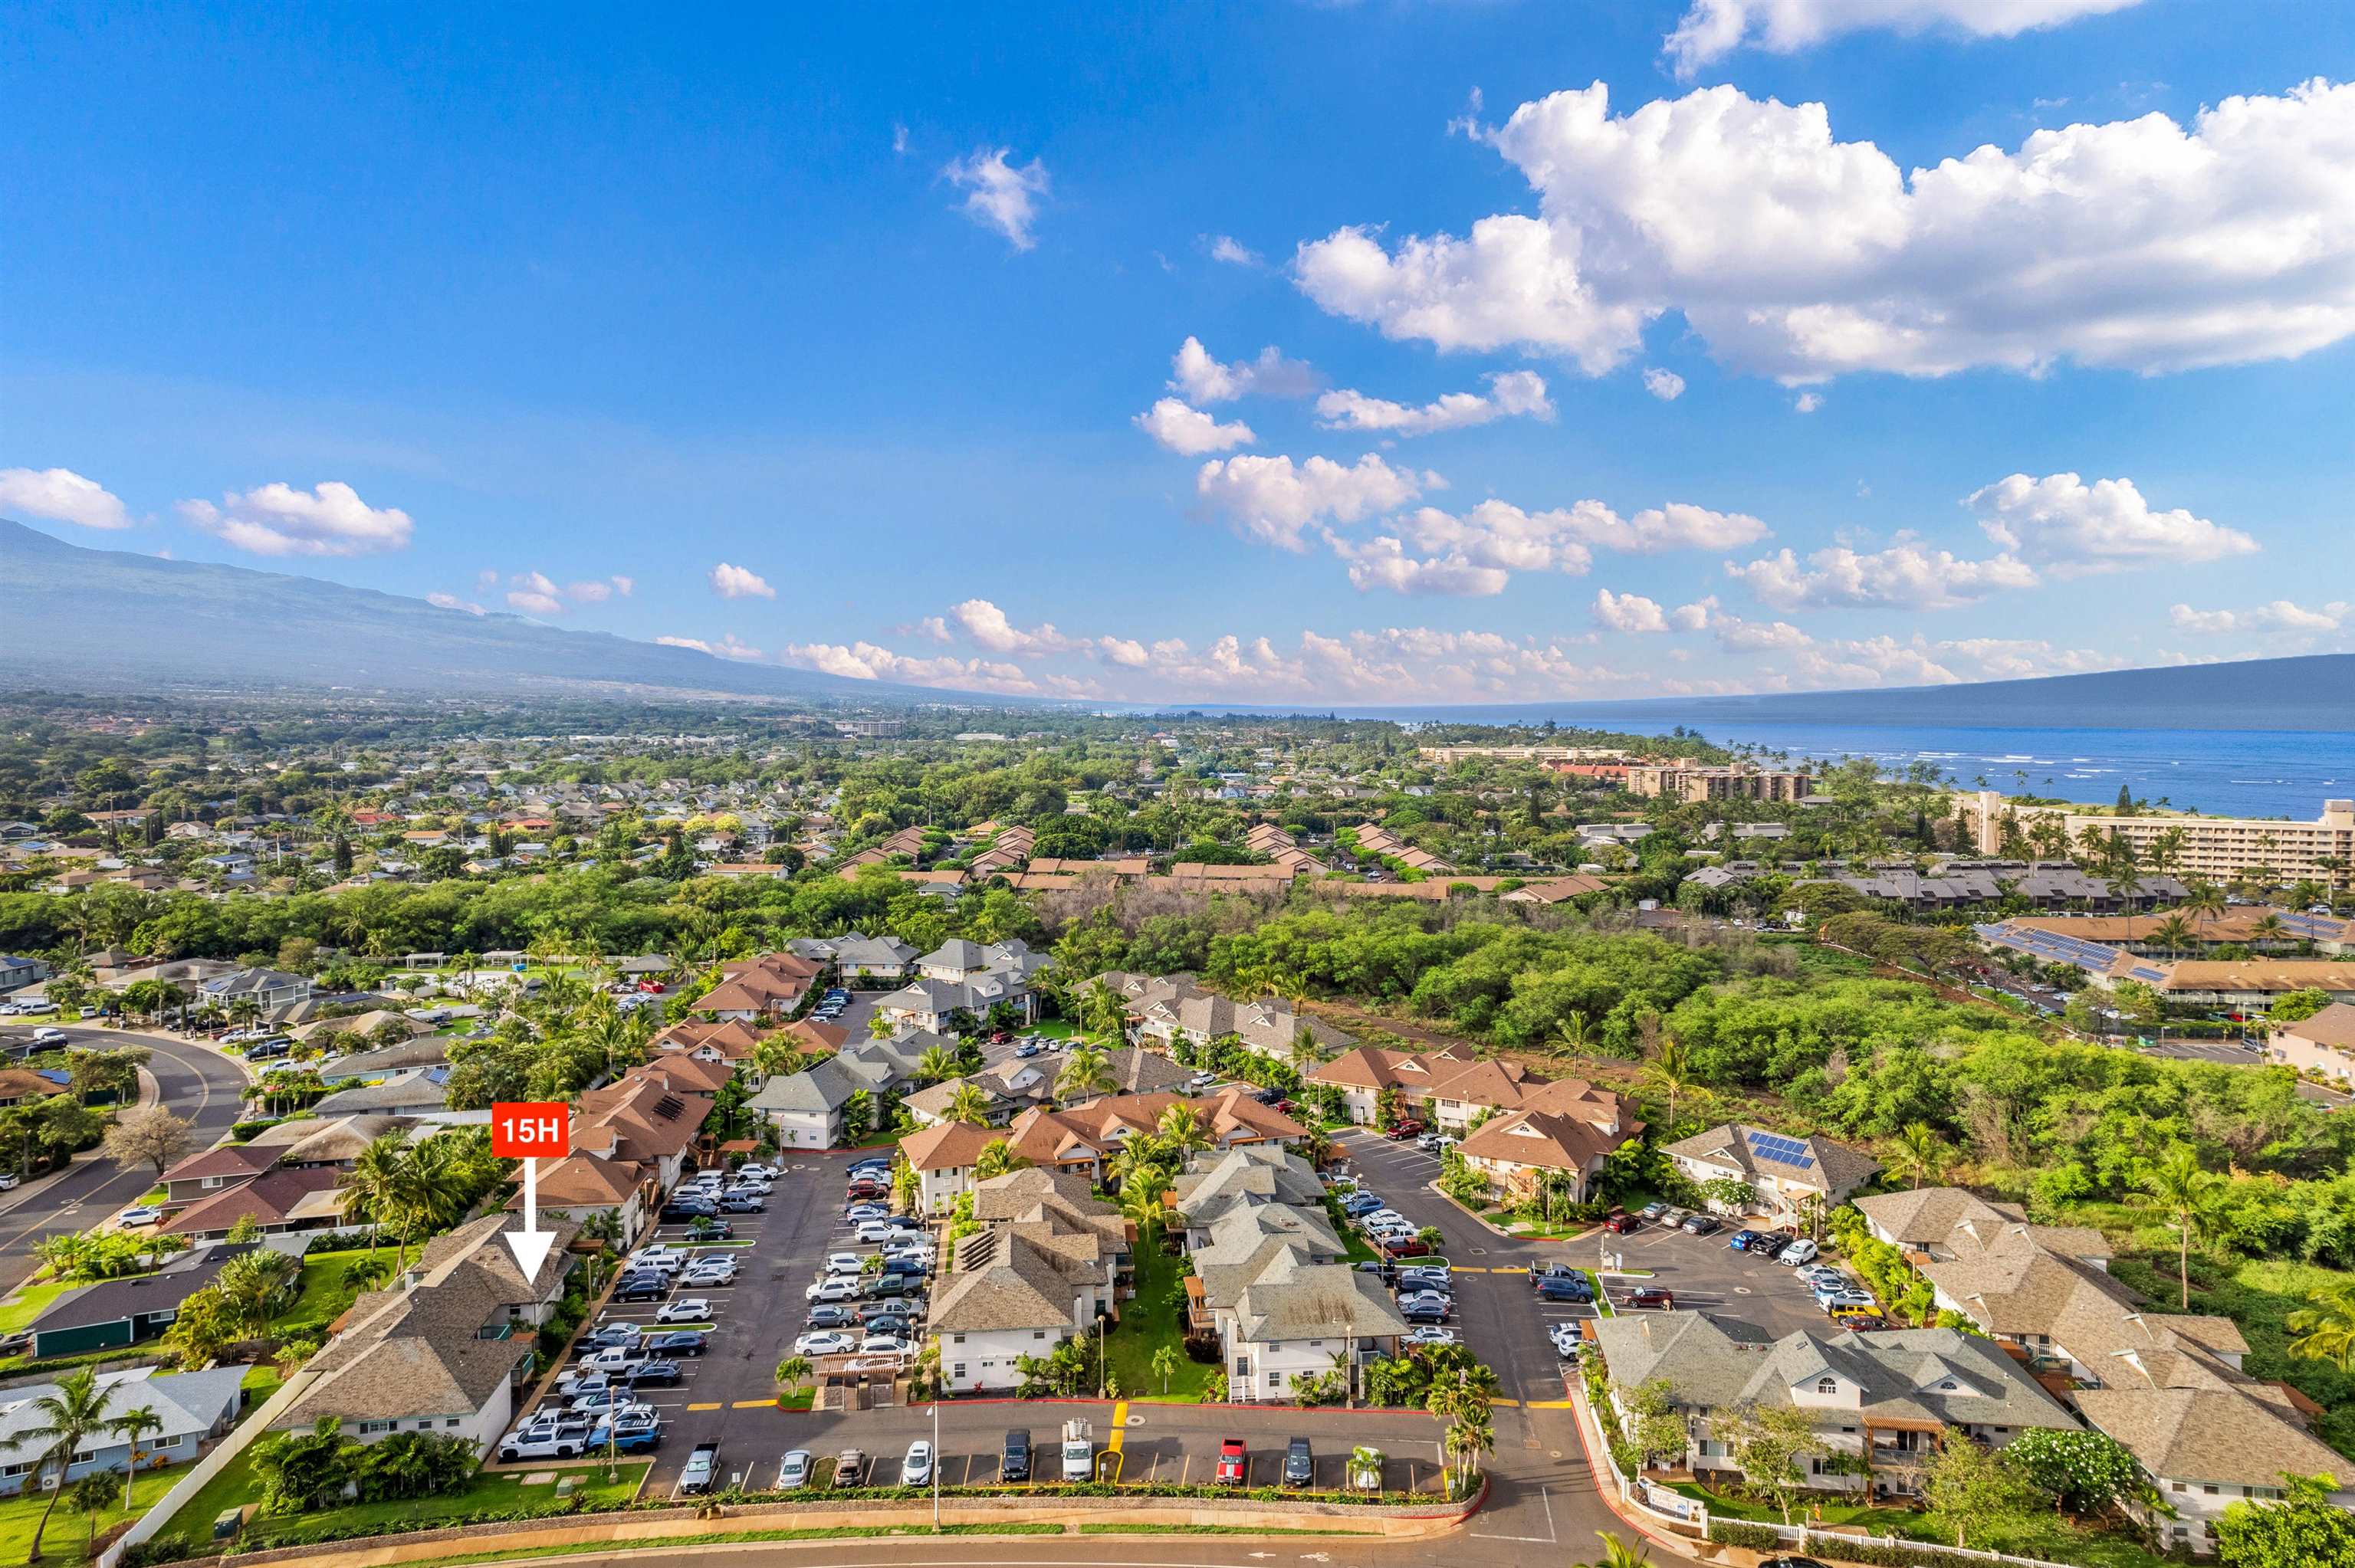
(936, 1462)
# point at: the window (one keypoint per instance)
(369, 1426)
(1038, 1333)
(452, 1421)
(2208, 1486)
(212, 1181)
(957, 1339)
(1828, 1385)
(1242, 1366)
(958, 1371)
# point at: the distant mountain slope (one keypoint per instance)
(2314, 691)
(92, 619)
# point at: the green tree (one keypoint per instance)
(2179, 1186)
(1770, 1444)
(1974, 1493)
(63, 1422)
(1670, 1070)
(134, 1427)
(2324, 1329)
(2304, 1530)
(1616, 1553)
(1919, 1151)
(1658, 1427)
(1085, 1075)
(255, 1286)
(93, 1495)
(969, 1103)
(1165, 1362)
(792, 1372)
(996, 1159)
(2086, 1471)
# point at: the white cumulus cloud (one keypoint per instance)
(1630, 612)
(1665, 384)
(2140, 244)
(1000, 195)
(1905, 576)
(1200, 378)
(2281, 614)
(737, 582)
(2079, 528)
(1511, 392)
(1234, 252)
(1712, 29)
(1275, 501)
(452, 601)
(727, 647)
(1189, 432)
(280, 520)
(62, 496)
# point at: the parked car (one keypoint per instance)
(625, 1436)
(1743, 1240)
(543, 1437)
(742, 1204)
(141, 1214)
(1570, 1287)
(1424, 1310)
(1013, 1461)
(825, 1343)
(872, 1231)
(858, 1213)
(1798, 1252)
(649, 1285)
(793, 1470)
(1406, 1246)
(830, 1316)
(678, 1343)
(1233, 1460)
(608, 1337)
(679, 1210)
(895, 1322)
(916, 1468)
(1400, 1131)
(1566, 1337)
(1652, 1297)
(845, 1262)
(686, 1310)
(885, 1345)
(881, 1286)
(850, 1467)
(868, 1313)
(1622, 1223)
(1299, 1462)
(660, 1373)
(703, 1470)
(1700, 1224)
(1655, 1211)
(1429, 1334)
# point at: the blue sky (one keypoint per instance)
(853, 339)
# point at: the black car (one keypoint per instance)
(890, 1323)
(611, 1337)
(649, 1285)
(1700, 1225)
(1299, 1462)
(1422, 1311)
(660, 1373)
(907, 1266)
(1013, 1463)
(680, 1342)
(679, 1210)
(832, 1314)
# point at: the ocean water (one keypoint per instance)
(2242, 773)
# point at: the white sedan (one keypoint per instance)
(885, 1345)
(827, 1343)
(1429, 1334)
(686, 1310)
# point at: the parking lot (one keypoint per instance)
(1506, 1324)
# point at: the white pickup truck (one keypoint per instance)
(615, 1361)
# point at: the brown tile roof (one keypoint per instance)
(639, 1118)
(2333, 1026)
(272, 1198)
(230, 1159)
(582, 1180)
(1544, 1138)
(947, 1146)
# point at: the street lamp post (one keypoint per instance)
(936, 1464)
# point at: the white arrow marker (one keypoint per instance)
(530, 1243)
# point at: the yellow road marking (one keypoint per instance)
(1552, 1405)
(1119, 1424)
(743, 1404)
(713, 1405)
(1515, 1404)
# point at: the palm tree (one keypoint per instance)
(2178, 1185)
(1616, 1553)
(935, 1065)
(1141, 1204)
(1165, 1362)
(254, 1283)
(1141, 1153)
(1919, 1149)
(1182, 1131)
(1669, 1071)
(1577, 1037)
(2268, 927)
(1468, 1437)
(64, 1421)
(792, 1372)
(2325, 1327)
(2203, 902)
(2174, 934)
(133, 1426)
(374, 1182)
(1085, 1075)
(969, 1103)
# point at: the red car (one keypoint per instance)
(1407, 1128)
(1000, 1037)
(862, 1190)
(1409, 1246)
(1652, 1296)
(650, 988)
(1622, 1223)
(1230, 1461)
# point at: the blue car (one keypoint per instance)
(633, 1437)
(1358, 1203)
(1572, 1288)
(1743, 1240)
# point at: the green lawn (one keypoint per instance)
(2050, 1537)
(19, 1311)
(328, 1287)
(1149, 1322)
(503, 1491)
(68, 1537)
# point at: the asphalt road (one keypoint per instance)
(196, 1082)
